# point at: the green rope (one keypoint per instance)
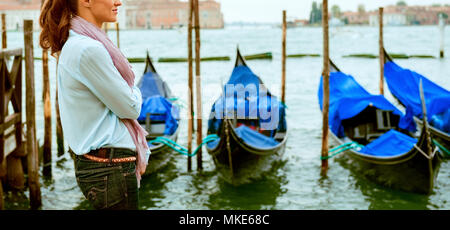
(341, 148)
(181, 103)
(441, 147)
(180, 149)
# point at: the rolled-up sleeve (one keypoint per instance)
(101, 76)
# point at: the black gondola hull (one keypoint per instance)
(410, 172)
(160, 156)
(248, 163)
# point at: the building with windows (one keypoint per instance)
(169, 14)
(133, 14)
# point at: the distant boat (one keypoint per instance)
(159, 116)
(404, 86)
(245, 148)
(375, 138)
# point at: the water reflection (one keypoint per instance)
(260, 194)
(153, 186)
(383, 198)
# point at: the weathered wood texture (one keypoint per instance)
(326, 88)
(198, 85)
(190, 86)
(33, 158)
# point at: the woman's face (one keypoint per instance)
(105, 10)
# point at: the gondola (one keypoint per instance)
(403, 84)
(383, 148)
(251, 138)
(159, 116)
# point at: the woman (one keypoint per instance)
(98, 101)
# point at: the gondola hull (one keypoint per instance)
(248, 163)
(410, 172)
(160, 156)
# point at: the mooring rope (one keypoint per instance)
(180, 149)
(341, 148)
(441, 147)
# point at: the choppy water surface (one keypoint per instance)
(294, 183)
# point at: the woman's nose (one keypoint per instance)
(117, 3)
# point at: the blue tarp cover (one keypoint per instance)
(155, 93)
(246, 100)
(250, 137)
(391, 143)
(404, 85)
(348, 99)
(161, 109)
(441, 121)
(151, 84)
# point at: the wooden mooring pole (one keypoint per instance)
(442, 30)
(33, 158)
(47, 149)
(283, 60)
(326, 88)
(198, 85)
(380, 19)
(2, 162)
(4, 44)
(190, 86)
(59, 131)
(118, 37)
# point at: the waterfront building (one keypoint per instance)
(18, 10)
(133, 14)
(170, 14)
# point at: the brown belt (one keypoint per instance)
(106, 160)
(102, 156)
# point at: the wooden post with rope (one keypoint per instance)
(190, 86)
(283, 60)
(380, 19)
(198, 86)
(33, 158)
(326, 88)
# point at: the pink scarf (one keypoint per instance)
(138, 134)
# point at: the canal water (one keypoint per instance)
(293, 183)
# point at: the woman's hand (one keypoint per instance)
(142, 167)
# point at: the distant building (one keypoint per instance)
(133, 14)
(392, 16)
(410, 15)
(18, 10)
(169, 14)
(355, 18)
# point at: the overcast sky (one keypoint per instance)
(271, 10)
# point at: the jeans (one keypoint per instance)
(108, 185)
